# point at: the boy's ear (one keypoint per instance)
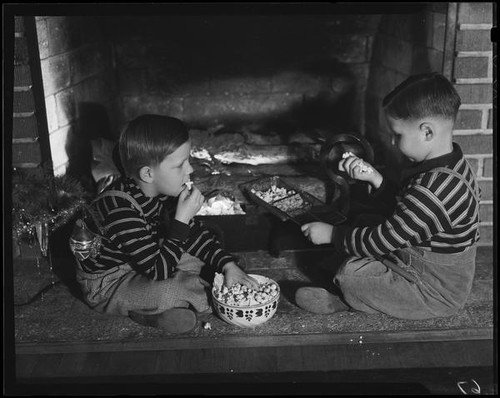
(146, 174)
(428, 130)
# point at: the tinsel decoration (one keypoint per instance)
(42, 203)
(42, 234)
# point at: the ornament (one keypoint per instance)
(83, 242)
(42, 234)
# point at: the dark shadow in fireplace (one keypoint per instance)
(321, 112)
(93, 123)
(412, 28)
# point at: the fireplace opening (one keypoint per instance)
(260, 91)
(261, 87)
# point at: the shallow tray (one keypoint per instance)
(311, 208)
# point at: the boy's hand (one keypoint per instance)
(358, 169)
(317, 232)
(189, 204)
(233, 274)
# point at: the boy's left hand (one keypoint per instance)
(233, 274)
(317, 232)
(358, 169)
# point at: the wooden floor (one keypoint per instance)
(420, 367)
(402, 363)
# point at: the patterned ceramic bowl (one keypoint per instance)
(248, 315)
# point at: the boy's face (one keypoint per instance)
(170, 175)
(409, 138)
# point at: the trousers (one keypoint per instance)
(438, 287)
(119, 290)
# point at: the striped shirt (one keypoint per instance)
(151, 246)
(435, 210)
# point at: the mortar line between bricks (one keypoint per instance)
(467, 54)
(476, 106)
(479, 156)
(29, 140)
(23, 114)
(475, 26)
(473, 132)
(482, 80)
(487, 179)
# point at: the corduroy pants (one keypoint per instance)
(120, 290)
(439, 287)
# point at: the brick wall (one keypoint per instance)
(28, 119)
(29, 128)
(80, 90)
(473, 79)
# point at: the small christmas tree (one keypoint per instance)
(42, 203)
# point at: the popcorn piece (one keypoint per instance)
(207, 326)
(273, 193)
(365, 169)
(347, 155)
(189, 185)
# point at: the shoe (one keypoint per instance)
(319, 300)
(175, 320)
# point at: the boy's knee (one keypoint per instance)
(359, 267)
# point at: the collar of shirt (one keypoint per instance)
(450, 159)
(148, 204)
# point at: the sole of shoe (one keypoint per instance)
(177, 320)
(318, 300)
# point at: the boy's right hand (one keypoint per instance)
(358, 169)
(189, 204)
(318, 232)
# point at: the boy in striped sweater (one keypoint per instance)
(147, 263)
(419, 261)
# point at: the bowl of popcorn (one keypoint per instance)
(242, 306)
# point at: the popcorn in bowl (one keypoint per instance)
(241, 306)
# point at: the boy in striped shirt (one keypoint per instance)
(419, 261)
(148, 261)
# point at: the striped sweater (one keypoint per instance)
(152, 243)
(433, 210)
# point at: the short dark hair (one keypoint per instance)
(424, 95)
(148, 140)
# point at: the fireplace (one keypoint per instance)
(260, 87)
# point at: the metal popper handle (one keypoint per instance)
(338, 145)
